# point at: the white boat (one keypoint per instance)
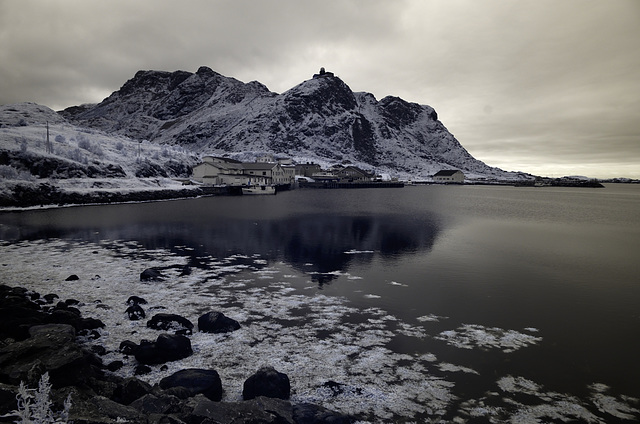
(259, 189)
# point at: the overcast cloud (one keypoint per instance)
(543, 86)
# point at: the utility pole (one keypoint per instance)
(49, 149)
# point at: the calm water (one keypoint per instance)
(563, 262)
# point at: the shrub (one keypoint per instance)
(60, 138)
(34, 405)
(119, 145)
(83, 142)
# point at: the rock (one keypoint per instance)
(151, 274)
(15, 321)
(136, 300)
(261, 410)
(307, 413)
(128, 347)
(131, 389)
(141, 370)
(267, 382)
(100, 409)
(206, 382)
(167, 347)
(115, 366)
(72, 277)
(70, 316)
(152, 404)
(174, 322)
(217, 322)
(50, 297)
(99, 350)
(53, 347)
(135, 312)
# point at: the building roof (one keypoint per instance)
(227, 160)
(257, 166)
(446, 172)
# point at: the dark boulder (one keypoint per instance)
(141, 370)
(267, 382)
(70, 316)
(307, 413)
(115, 366)
(217, 322)
(167, 347)
(196, 381)
(128, 347)
(100, 409)
(135, 312)
(50, 297)
(261, 410)
(156, 404)
(131, 389)
(173, 322)
(151, 274)
(136, 300)
(51, 348)
(15, 321)
(72, 277)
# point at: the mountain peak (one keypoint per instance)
(320, 119)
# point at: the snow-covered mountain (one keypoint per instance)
(319, 120)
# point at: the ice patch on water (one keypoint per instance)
(444, 366)
(470, 336)
(372, 296)
(358, 252)
(431, 318)
(509, 405)
(395, 283)
(619, 408)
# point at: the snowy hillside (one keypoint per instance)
(319, 120)
(77, 159)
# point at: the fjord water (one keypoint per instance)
(563, 262)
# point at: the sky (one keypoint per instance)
(549, 87)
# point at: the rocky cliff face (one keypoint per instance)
(320, 119)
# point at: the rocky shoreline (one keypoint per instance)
(26, 195)
(39, 334)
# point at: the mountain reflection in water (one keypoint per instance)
(317, 244)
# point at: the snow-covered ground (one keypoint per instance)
(335, 354)
(23, 131)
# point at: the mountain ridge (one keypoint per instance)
(320, 119)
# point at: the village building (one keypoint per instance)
(219, 171)
(224, 171)
(274, 173)
(307, 169)
(353, 174)
(449, 176)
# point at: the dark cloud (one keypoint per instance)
(523, 85)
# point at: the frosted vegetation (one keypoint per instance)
(335, 353)
(81, 159)
(34, 406)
